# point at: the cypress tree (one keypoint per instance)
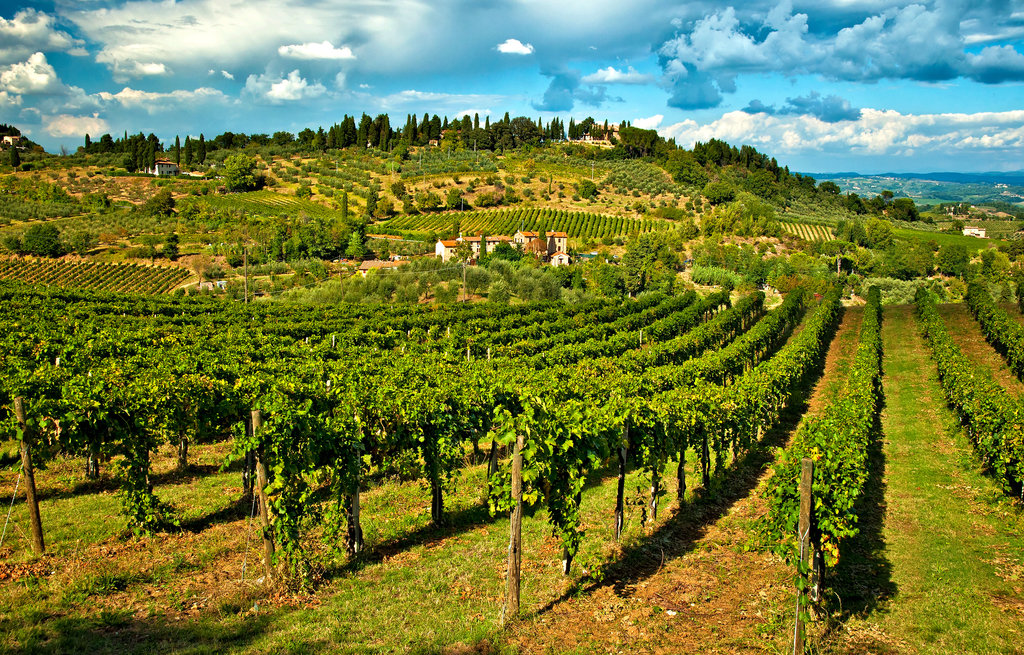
(15, 157)
(201, 154)
(177, 149)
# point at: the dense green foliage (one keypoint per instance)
(992, 419)
(838, 440)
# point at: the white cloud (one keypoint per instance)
(322, 50)
(124, 69)
(612, 76)
(287, 89)
(227, 75)
(78, 126)
(876, 132)
(8, 101)
(473, 112)
(236, 34)
(440, 101)
(34, 76)
(648, 123)
(515, 47)
(154, 102)
(31, 31)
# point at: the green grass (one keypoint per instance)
(418, 589)
(949, 552)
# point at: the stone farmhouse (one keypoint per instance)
(557, 243)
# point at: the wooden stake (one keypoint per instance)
(655, 488)
(705, 461)
(620, 514)
(183, 453)
(681, 476)
(38, 547)
(515, 546)
(261, 485)
(355, 529)
(804, 541)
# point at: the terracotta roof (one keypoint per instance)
(556, 254)
(490, 237)
(558, 234)
(528, 234)
(165, 161)
(449, 243)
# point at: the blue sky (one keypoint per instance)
(828, 85)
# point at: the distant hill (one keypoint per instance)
(934, 188)
(1015, 178)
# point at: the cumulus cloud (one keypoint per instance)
(612, 76)
(154, 102)
(227, 75)
(276, 90)
(996, 64)
(565, 90)
(515, 47)
(197, 35)
(35, 76)
(125, 69)
(322, 50)
(649, 123)
(830, 109)
(875, 132)
(913, 42)
(33, 31)
(9, 101)
(77, 126)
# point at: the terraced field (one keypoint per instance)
(809, 232)
(134, 278)
(269, 202)
(507, 221)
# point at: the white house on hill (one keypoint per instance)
(560, 259)
(164, 167)
(445, 249)
(974, 232)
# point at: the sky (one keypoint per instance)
(822, 85)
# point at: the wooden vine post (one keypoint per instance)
(681, 476)
(38, 547)
(515, 545)
(804, 544)
(261, 489)
(620, 515)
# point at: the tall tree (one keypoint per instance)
(177, 149)
(201, 151)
